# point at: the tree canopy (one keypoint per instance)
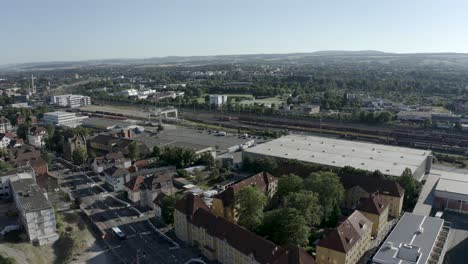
(79, 156)
(329, 189)
(307, 203)
(285, 226)
(250, 203)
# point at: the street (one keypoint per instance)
(105, 211)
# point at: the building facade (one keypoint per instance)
(375, 208)
(225, 242)
(347, 243)
(218, 100)
(36, 214)
(70, 100)
(63, 119)
(5, 125)
(70, 144)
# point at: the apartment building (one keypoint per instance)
(218, 100)
(360, 186)
(36, 136)
(35, 212)
(347, 243)
(223, 203)
(375, 208)
(5, 125)
(16, 173)
(225, 242)
(70, 100)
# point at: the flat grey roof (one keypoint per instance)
(452, 182)
(411, 241)
(59, 113)
(106, 123)
(389, 160)
(29, 195)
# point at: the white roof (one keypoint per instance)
(411, 241)
(452, 182)
(58, 113)
(389, 160)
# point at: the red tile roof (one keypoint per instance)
(345, 236)
(135, 183)
(372, 185)
(375, 204)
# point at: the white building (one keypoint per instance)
(415, 239)
(128, 92)
(36, 136)
(4, 141)
(35, 212)
(71, 100)
(389, 160)
(16, 173)
(5, 125)
(451, 192)
(63, 119)
(218, 100)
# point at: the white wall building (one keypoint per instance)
(71, 100)
(63, 119)
(5, 125)
(218, 100)
(16, 173)
(4, 141)
(35, 212)
(37, 136)
(128, 92)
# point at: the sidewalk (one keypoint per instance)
(426, 197)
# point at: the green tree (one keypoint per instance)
(22, 131)
(79, 156)
(265, 164)
(407, 181)
(206, 159)
(156, 151)
(7, 260)
(289, 184)
(250, 203)
(285, 226)
(167, 209)
(329, 189)
(134, 151)
(4, 166)
(307, 203)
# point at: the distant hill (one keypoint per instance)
(365, 56)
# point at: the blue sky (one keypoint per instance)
(51, 30)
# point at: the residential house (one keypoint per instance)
(158, 204)
(145, 185)
(375, 208)
(224, 202)
(4, 141)
(225, 242)
(36, 214)
(117, 159)
(361, 186)
(108, 144)
(20, 119)
(5, 125)
(70, 144)
(116, 177)
(36, 136)
(347, 243)
(23, 153)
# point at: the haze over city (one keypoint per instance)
(54, 30)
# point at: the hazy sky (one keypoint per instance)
(48, 30)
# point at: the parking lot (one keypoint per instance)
(198, 138)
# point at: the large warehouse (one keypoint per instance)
(389, 160)
(451, 192)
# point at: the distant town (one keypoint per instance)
(333, 158)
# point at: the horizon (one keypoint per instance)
(53, 30)
(240, 54)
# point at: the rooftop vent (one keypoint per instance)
(354, 150)
(402, 157)
(322, 142)
(313, 156)
(363, 163)
(333, 145)
(371, 158)
(324, 151)
(333, 161)
(298, 149)
(269, 148)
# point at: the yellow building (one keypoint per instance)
(347, 243)
(375, 208)
(226, 242)
(224, 203)
(360, 186)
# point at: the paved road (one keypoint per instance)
(106, 212)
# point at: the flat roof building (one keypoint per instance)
(35, 211)
(389, 160)
(70, 100)
(415, 239)
(451, 192)
(60, 118)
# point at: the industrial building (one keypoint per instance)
(451, 192)
(63, 119)
(415, 239)
(70, 100)
(389, 160)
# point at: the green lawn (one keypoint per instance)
(270, 100)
